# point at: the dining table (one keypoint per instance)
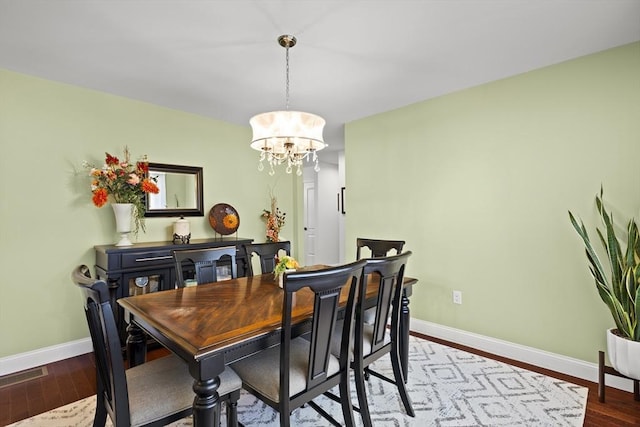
(212, 325)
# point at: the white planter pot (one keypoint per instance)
(624, 355)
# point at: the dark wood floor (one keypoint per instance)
(73, 379)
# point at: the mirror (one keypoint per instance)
(180, 191)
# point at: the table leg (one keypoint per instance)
(206, 410)
(136, 345)
(404, 335)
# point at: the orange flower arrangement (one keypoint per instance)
(122, 182)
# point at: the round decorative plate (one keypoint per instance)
(224, 219)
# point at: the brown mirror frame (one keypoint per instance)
(196, 171)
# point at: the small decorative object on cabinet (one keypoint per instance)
(224, 219)
(181, 231)
(149, 267)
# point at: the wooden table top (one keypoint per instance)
(208, 318)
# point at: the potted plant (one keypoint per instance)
(618, 289)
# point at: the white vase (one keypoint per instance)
(124, 216)
(624, 355)
(281, 276)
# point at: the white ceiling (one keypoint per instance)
(220, 58)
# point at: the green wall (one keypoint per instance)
(479, 182)
(48, 224)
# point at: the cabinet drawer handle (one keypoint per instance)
(155, 258)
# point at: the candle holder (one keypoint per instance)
(181, 232)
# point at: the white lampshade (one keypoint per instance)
(273, 129)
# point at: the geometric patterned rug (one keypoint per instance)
(448, 387)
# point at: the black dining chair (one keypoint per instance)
(204, 264)
(379, 248)
(374, 339)
(267, 253)
(301, 368)
(154, 393)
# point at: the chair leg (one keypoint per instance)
(345, 397)
(100, 418)
(362, 397)
(285, 418)
(232, 409)
(399, 379)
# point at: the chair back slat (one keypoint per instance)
(379, 248)
(204, 262)
(386, 287)
(388, 272)
(267, 253)
(325, 315)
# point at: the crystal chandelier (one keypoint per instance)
(287, 136)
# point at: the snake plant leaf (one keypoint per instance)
(593, 257)
(612, 247)
(620, 317)
(599, 275)
(628, 300)
(632, 243)
(636, 335)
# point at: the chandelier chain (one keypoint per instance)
(287, 78)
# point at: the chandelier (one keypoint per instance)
(287, 136)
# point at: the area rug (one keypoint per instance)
(448, 387)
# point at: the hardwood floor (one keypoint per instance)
(73, 379)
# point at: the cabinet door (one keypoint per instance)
(144, 282)
(139, 283)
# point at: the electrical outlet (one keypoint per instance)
(457, 297)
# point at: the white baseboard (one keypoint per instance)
(555, 362)
(42, 356)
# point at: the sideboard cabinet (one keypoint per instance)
(148, 267)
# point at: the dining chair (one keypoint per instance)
(267, 252)
(379, 248)
(302, 368)
(204, 262)
(374, 340)
(154, 393)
